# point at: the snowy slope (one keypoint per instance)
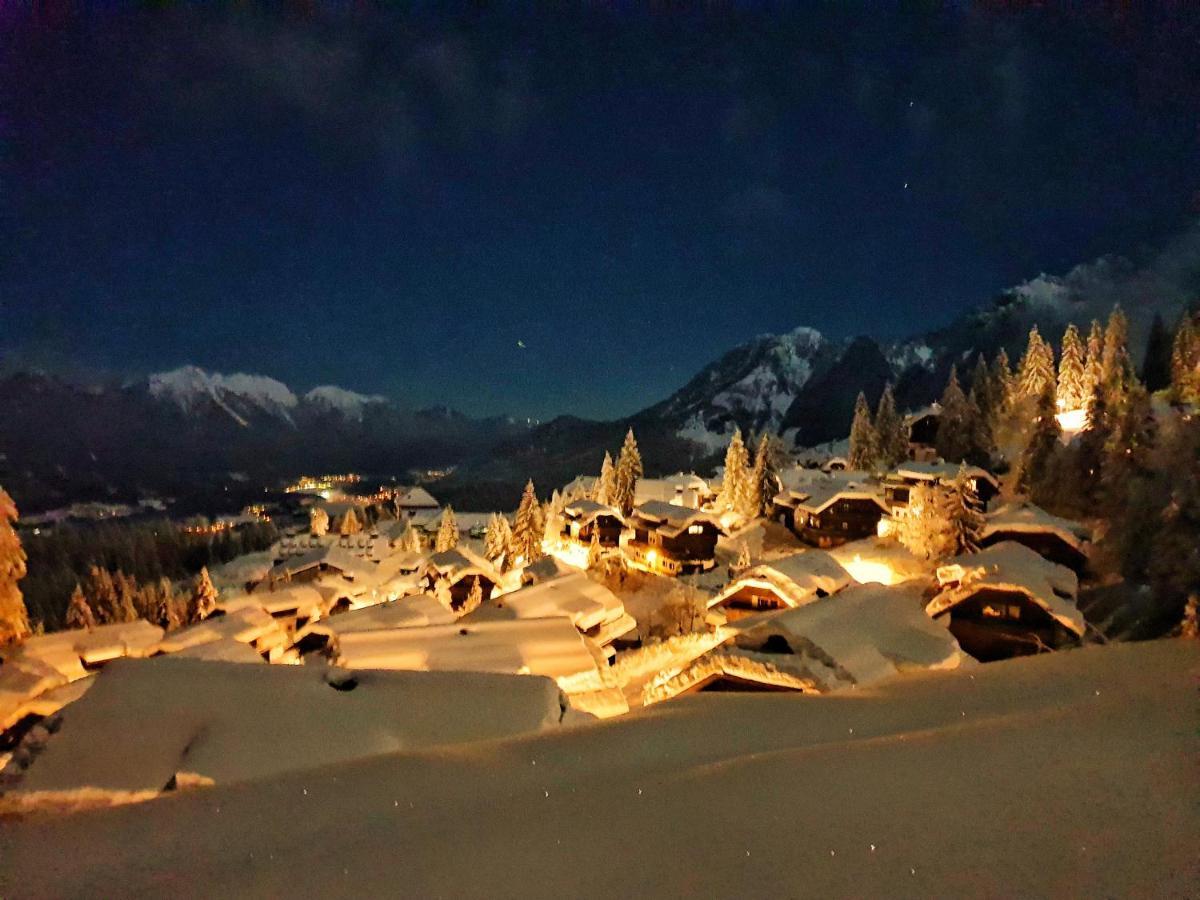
(240, 395)
(1065, 774)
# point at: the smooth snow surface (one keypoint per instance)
(1066, 774)
(145, 720)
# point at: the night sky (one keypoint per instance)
(391, 202)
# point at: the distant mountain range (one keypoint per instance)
(198, 434)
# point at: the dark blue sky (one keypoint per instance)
(390, 202)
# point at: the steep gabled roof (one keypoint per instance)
(460, 563)
(821, 497)
(585, 602)
(332, 556)
(1009, 566)
(416, 497)
(1025, 518)
(943, 471)
(796, 578)
(585, 511)
(671, 518)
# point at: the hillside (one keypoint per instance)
(1063, 774)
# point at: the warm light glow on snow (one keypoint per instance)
(570, 552)
(884, 528)
(1072, 421)
(867, 571)
(651, 557)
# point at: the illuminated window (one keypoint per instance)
(696, 529)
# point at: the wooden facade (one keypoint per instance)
(845, 519)
(605, 527)
(1047, 544)
(998, 624)
(654, 546)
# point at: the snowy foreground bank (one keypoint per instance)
(1064, 774)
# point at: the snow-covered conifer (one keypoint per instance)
(1093, 366)
(864, 442)
(595, 551)
(79, 614)
(625, 477)
(527, 529)
(606, 484)
(743, 558)
(1042, 443)
(474, 597)
(318, 521)
(350, 523)
(890, 433)
(965, 512)
(203, 601)
(1003, 385)
(14, 618)
(1071, 382)
(1036, 371)
(1185, 363)
(764, 477)
(447, 536)
(925, 527)
(735, 484)
(956, 422)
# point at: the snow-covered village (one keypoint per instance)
(679, 584)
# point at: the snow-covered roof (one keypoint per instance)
(933, 409)
(1009, 566)
(414, 611)
(672, 518)
(943, 471)
(305, 599)
(1026, 518)
(795, 579)
(547, 568)
(247, 625)
(459, 563)
(868, 631)
(69, 651)
(416, 497)
(585, 511)
(331, 556)
(822, 496)
(585, 602)
(551, 647)
(238, 723)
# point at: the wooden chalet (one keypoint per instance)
(1057, 539)
(898, 483)
(585, 519)
(922, 428)
(781, 584)
(833, 512)
(1008, 601)
(667, 539)
(459, 568)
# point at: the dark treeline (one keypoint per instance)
(145, 552)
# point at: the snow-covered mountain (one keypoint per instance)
(350, 404)
(241, 396)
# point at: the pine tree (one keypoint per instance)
(1036, 372)
(350, 524)
(1189, 625)
(447, 536)
(1116, 371)
(14, 618)
(1092, 443)
(527, 529)
(955, 423)
(166, 614)
(595, 551)
(203, 602)
(1071, 384)
(1126, 455)
(1042, 443)
(625, 477)
(735, 484)
(965, 513)
(318, 521)
(495, 538)
(474, 597)
(864, 442)
(1094, 366)
(764, 479)
(102, 595)
(925, 527)
(1185, 363)
(441, 591)
(79, 614)
(606, 483)
(1156, 364)
(890, 433)
(1003, 385)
